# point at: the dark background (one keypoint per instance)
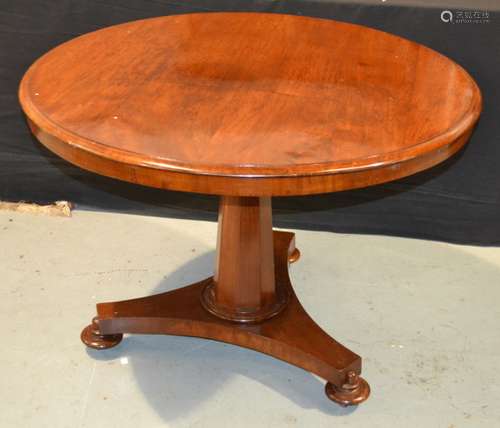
(458, 201)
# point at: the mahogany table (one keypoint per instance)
(247, 106)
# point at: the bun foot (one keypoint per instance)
(292, 258)
(93, 339)
(354, 391)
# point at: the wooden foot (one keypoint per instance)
(292, 258)
(355, 390)
(92, 337)
(291, 335)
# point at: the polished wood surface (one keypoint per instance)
(249, 104)
(245, 291)
(291, 336)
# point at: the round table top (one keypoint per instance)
(249, 104)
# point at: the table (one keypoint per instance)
(247, 106)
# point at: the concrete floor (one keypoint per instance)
(424, 315)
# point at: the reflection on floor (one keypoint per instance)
(424, 315)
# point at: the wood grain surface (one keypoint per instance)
(249, 104)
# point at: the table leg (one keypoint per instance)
(249, 302)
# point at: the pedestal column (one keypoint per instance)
(244, 288)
